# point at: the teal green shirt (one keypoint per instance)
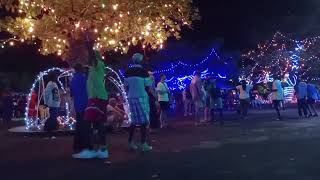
(95, 83)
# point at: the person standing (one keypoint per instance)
(153, 103)
(244, 97)
(7, 109)
(197, 95)
(52, 100)
(277, 96)
(187, 101)
(163, 98)
(78, 87)
(302, 93)
(216, 102)
(137, 83)
(312, 97)
(95, 113)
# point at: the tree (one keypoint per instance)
(284, 56)
(62, 26)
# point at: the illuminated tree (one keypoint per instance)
(282, 56)
(62, 26)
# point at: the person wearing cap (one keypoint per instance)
(138, 85)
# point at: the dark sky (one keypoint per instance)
(240, 24)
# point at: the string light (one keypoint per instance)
(182, 64)
(283, 55)
(67, 121)
(154, 22)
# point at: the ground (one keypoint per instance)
(258, 148)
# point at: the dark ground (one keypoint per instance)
(256, 149)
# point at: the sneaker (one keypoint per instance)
(190, 114)
(102, 154)
(310, 115)
(85, 154)
(133, 147)
(145, 147)
(316, 115)
(185, 114)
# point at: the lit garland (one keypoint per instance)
(179, 82)
(114, 25)
(180, 63)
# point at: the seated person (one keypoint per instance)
(116, 116)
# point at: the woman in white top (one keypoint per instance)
(244, 97)
(163, 98)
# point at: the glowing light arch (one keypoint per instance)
(35, 123)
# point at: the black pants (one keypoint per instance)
(244, 105)
(81, 139)
(154, 118)
(52, 124)
(143, 130)
(98, 134)
(302, 106)
(276, 104)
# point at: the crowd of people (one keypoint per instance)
(148, 103)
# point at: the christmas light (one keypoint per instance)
(111, 25)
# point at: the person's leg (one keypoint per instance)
(299, 107)
(143, 130)
(185, 106)
(242, 106)
(77, 134)
(312, 107)
(276, 107)
(132, 129)
(101, 136)
(305, 108)
(189, 107)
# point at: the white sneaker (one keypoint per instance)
(102, 154)
(85, 154)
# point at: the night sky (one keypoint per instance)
(237, 24)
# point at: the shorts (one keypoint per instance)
(164, 105)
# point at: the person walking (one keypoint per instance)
(197, 95)
(244, 97)
(312, 97)
(302, 93)
(137, 83)
(52, 101)
(277, 96)
(163, 98)
(81, 141)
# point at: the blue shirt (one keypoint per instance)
(79, 92)
(312, 92)
(137, 79)
(302, 90)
